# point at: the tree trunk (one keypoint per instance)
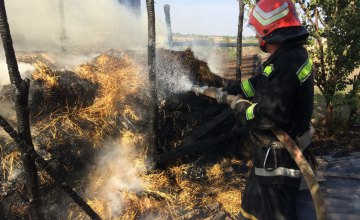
(153, 118)
(316, 18)
(328, 118)
(22, 115)
(168, 24)
(353, 6)
(239, 41)
(353, 106)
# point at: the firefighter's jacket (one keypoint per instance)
(282, 97)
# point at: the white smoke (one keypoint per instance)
(25, 70)
(116, 172)
(90, 25)
(211, 55)
(71, 61)
(7, 110)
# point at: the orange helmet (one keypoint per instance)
(268, 16)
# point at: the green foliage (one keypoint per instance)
(334, 44)
(335, 26)
(353, 100)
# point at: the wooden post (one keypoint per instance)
(168, 25)
(62, 26)
(239, 41)
(153, 117)
(21, 90)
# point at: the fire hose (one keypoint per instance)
(285, 140)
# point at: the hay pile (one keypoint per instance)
(90, 124)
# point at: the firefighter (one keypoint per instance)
(281, 97)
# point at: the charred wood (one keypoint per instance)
(62, 25)
(153, 132)
(194, 147)
(201, 131)
(239, 41)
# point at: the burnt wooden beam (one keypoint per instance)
(194, 147)
(153, 131)
(204, 129)
(239, 41)
(62, 26)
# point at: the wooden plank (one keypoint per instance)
(194, 147)
(204, 129)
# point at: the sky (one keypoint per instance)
(205, 17)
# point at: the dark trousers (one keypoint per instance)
(268, 201)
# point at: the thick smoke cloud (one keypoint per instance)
(90, 25)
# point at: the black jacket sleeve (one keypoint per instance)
(275, 94)
(246, 88)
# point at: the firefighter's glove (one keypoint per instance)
(198, 90)
(240, 106)
(232, 100)
(233, 89)
(221, 96)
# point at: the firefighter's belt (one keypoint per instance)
(302, 140)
